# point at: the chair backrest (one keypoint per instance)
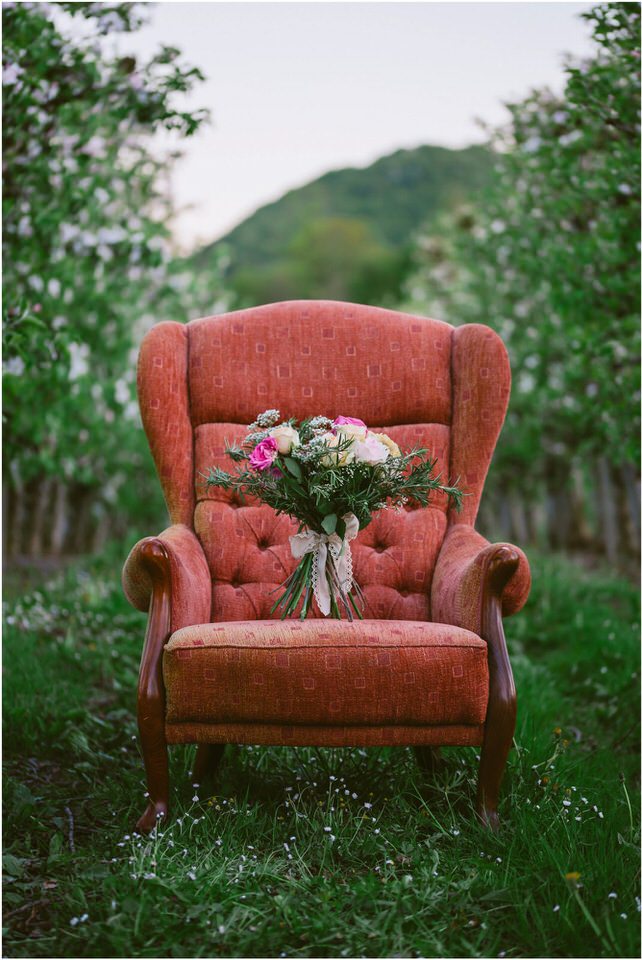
(422, 381)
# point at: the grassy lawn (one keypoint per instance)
(321, 853)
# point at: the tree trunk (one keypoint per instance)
(628, 519)
(40, 495)
(631, 484)
(59, 525)
(607, 510)
(518, 521)
(581, 535)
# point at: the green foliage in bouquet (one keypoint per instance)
(331, 476)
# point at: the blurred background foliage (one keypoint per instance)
(535, 234)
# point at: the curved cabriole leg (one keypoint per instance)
(428, 760)
(157, 771)
(151, 690)
(502, 700)
(208, 758)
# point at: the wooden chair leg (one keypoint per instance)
(208, 758)
(492, 763)
(428, 760)
(157, 770)
(502, 699)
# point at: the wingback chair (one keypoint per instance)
(429, 666)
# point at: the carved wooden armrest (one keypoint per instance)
(468, 568)
(184, 567)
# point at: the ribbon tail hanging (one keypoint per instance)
(320, 578)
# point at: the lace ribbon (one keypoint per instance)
(341, 556)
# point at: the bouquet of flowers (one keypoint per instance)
(330, 476)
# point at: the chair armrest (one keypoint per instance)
(468, 570)
(175, 556)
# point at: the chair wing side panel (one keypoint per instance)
(481, 389)
(165, 411)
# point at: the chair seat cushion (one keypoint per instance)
(326, 672)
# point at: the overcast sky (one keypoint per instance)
(297, 89)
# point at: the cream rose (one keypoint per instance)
(341, 459)
(370, 451)
(286, 437)
(351, 427)
(388, 442)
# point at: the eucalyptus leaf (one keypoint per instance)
(329, 523)
(293, 467)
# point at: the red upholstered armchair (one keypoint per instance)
(430, 665)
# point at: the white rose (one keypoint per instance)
(370, 451)
(286, 437)
(351, 430)
(388, 442)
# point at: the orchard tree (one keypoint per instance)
(550, 258)
(86, 245)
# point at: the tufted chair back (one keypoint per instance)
(422, 381)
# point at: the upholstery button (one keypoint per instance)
(262, 544)
(380, 547)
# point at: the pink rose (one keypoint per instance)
(350, 427)
(264, 454)
(354, 421)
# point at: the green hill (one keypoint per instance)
(347, 235)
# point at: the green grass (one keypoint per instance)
(312, 852)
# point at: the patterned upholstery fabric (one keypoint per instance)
(306, 357)
(481, 388)
(314, 735)
(164, 408)
(369, 672)
(420, 380)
